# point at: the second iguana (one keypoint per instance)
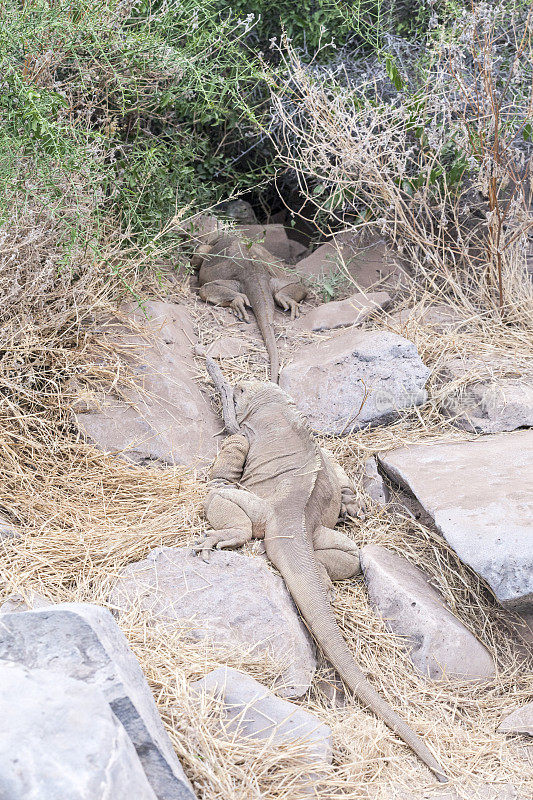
(238, 273)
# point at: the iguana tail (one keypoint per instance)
(262, 303)
(296, 562)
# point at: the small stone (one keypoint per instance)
(488, 405)
(354, 379)
(439, 316)
(373, 483)
(17, 602)
(232, 600)
(480, 497)
(342, 313)
(7, 529)
(167, 419)
(83, 642)
(60, 739)
(520, 721)
(227, 347)
(440, 646)
(256, 713)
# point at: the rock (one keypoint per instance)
(273, 237)
(239, 210)
(227, 347)
(374, 484)
(520, 721)
(367, 266)
(254, 712)
(354, 379)
(480, 496)
(83, 642)
(341, 313)
(17, 602)
(298, 250)
(168, 419)
(439, 316)
(233, 600)
(440, 646)
(490, 405)
(60, 739)
(7, 529)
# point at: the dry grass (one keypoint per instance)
(83, 516)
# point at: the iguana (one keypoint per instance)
(272, 481)
(239, 273)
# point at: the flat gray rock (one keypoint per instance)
(16, 602)
(440, 646)
(520, 721)
(480, 497)
(342, 313)
(83, 641)
(373, 483)
(60, 739)
(234, 599)
(254, 712)
(167, 419)
(489, 405)
(354, 379)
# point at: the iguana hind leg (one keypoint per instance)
(237, 516)
(226, 293)
(288, 295)
(337, 553)
(350, 506)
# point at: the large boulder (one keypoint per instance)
(254, 712)
(342, 313)
(83, 642)
(440, 646)
(488, 404)
(60, 739)
(232, 600)
(480, 496)
(167, 418)
(355, 379)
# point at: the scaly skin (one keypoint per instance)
(292, 495)
(237, 273)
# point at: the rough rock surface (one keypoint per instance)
(342, 313)
(82, 641)
(367, 265)
(254, 712)
(60, 739)
(17, 602)
(440, 646)
(520, 721)
(354, 379)
(169, 419)
(489, 405)
(274, 238)
(480, 497)
(234, 599)
(7, 529)
(439, 316)
(373, 483)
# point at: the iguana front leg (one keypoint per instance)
(226, 293)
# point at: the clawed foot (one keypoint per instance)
(238, 305)
(231, 537)
(350, 507)
(288, 304)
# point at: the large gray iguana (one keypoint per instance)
(237, 273)
(272, 481)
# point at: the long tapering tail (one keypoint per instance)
(262, 304)
(295, 560)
